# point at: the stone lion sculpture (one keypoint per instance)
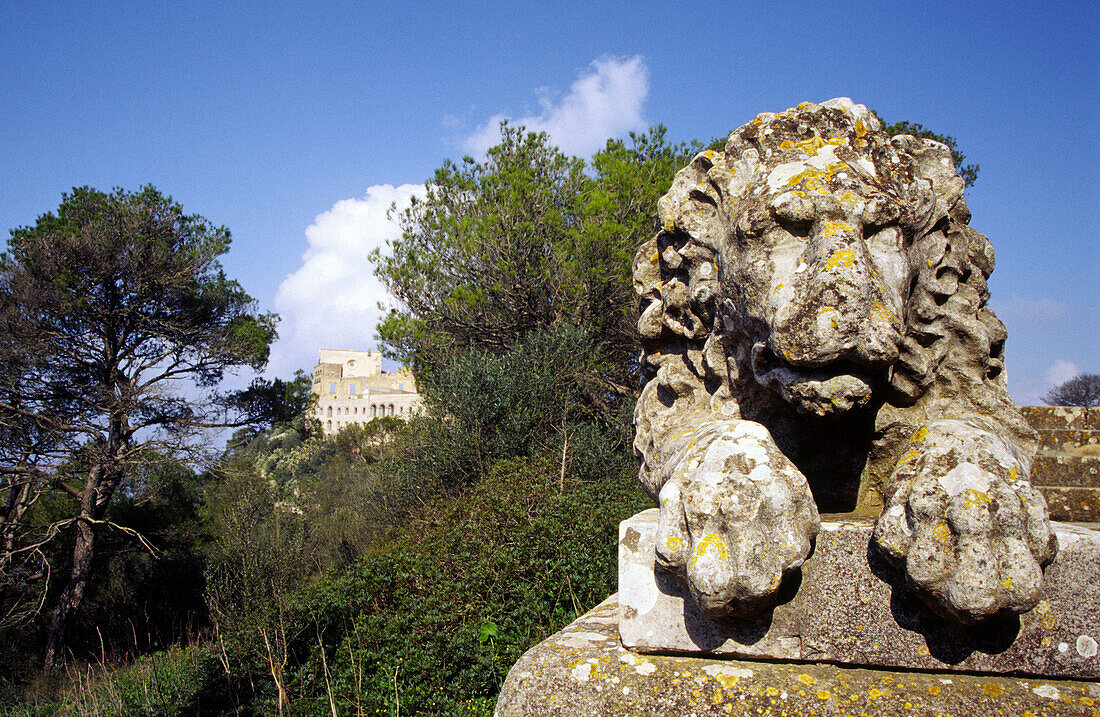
(816, 337)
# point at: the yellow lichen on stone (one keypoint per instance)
(845, 257)
(876, 693)
(815, 178)
(909, 455)
(881, 312)
(920, 435)
(824, 695)
(673, 543)
(846, 197)
(1006, 583)
(711, 540)
(976, 497)
(806, 679)
(1049, 621)
(810, 146)
(993, 690)
(942, 533)
(832, 228)
(861, 129)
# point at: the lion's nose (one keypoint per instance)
(839, 309)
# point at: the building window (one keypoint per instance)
(391, 409)
(351, 389)
(330, 413)
(330, 426)
(400, 387)
(332, 387)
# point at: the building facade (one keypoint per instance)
(351, 387)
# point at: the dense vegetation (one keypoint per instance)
(393, 564)
(397, 567)
(107, 306)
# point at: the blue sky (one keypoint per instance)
(296, 124)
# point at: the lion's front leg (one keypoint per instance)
(963, 521)
(736, 516)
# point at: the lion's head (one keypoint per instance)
(819, 263)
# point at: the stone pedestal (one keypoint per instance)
(584, 671)
(848, 607)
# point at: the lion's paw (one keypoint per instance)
(970, 532)
(736, 516)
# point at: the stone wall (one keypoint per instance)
(1067, 468)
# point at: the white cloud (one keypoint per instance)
(1060, 372)
(331, 301)
(606, 101)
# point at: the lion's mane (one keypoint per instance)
(951, 357)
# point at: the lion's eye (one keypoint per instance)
(794, 227)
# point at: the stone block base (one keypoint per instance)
(849, 607)
(1078, 505)
(585, 671)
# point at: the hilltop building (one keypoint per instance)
(351, 387)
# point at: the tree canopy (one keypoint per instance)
(528, 238)
(107, 306)
(1081, 390)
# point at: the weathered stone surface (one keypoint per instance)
(1066, 470)
(1078, 505)
(584, 671)
(765, 501)
(849, 609)
(1073, 441)
(1062, 417)
(817, 286)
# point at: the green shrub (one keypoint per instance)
(435, 621)
(176, 681)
